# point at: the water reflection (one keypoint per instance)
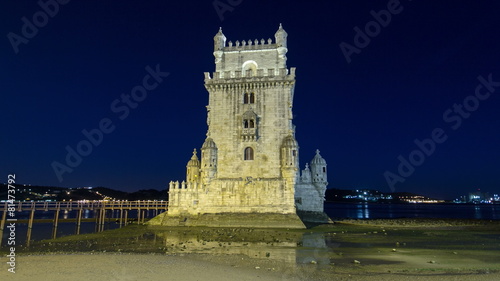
(87, 214)
(289, 247)
(314, 249)
(384, 211)
(363, 211)
(391, 212)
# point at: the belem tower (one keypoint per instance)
(248, 172)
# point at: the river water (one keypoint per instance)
(334, 210)
(392, 211)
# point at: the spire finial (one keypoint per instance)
(220, 28)
(317, 151)
(281, 27)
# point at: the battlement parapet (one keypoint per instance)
(261, 75)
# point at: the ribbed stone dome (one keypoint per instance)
(194, 162)
(209, 143)
(318, 160)
(290, 141)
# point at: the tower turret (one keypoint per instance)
(193, 169)
(318, 169)
(306, 175)
(281, 36)
(208, 160)
(289, 157)
(219, 40)
(219, 44)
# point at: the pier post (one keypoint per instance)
(79, 221)
(2, 224)
(126, 217)
(102, 217)
(30, 225)
(121, 217)
(97, 215)
(56, 221)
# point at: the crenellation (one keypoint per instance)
(250, 45)
(287, 74)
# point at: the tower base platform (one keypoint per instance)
(250, 220)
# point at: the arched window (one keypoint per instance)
(249, 68)
(248, 123)
(248, 153)
(248, 98)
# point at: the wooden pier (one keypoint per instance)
(100, 208)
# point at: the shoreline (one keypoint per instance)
(388, 249)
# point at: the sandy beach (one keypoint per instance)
(127, 267)
(131, 267)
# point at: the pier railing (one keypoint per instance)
(86, 205)
(100, 209)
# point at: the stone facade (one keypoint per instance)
(250, 158)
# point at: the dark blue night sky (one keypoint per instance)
(415, 78)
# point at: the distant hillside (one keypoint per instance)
(33, 192)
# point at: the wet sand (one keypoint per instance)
(122, 267)
(129, 267)
(383, 250)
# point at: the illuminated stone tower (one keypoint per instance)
(250, 157)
